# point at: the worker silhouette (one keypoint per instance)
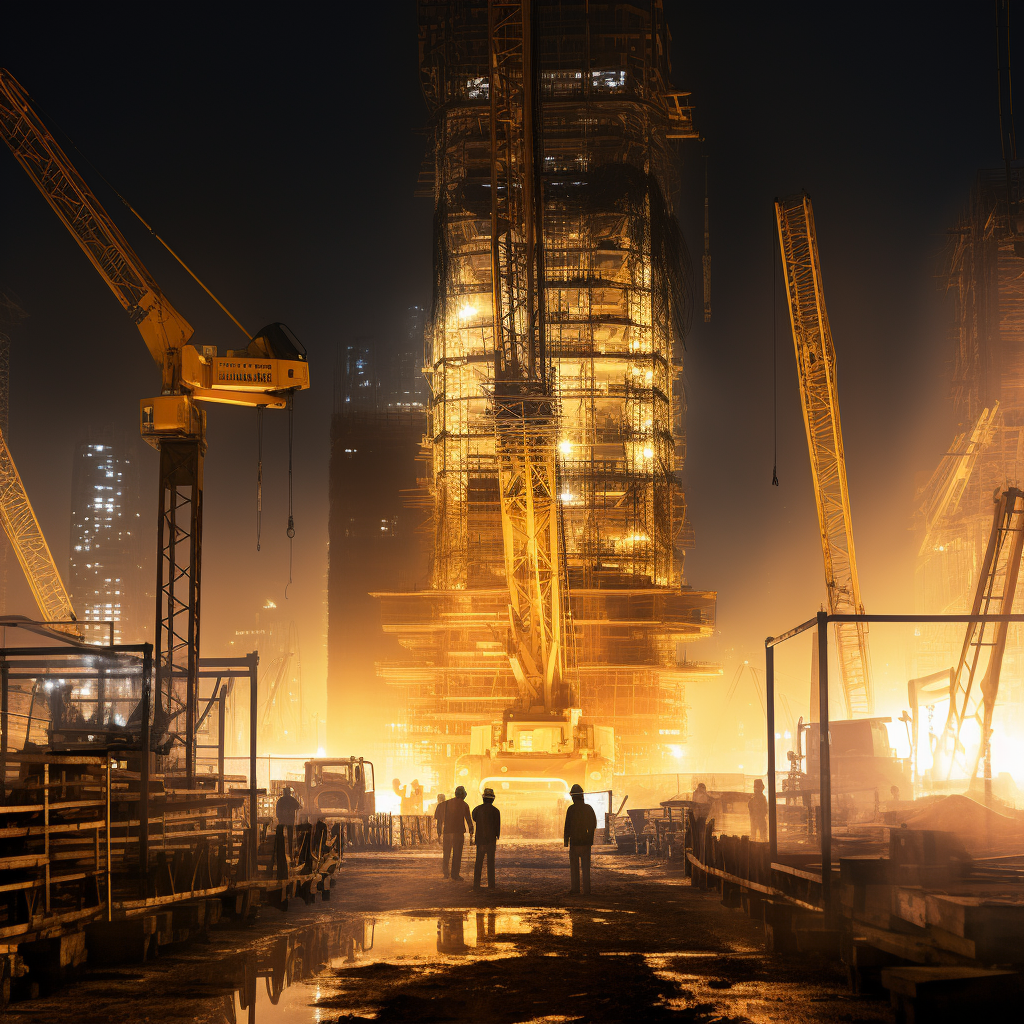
(456, 821)
(285, 810)
(757, 808)
(580, 822)
(488, 832)
(439, 816)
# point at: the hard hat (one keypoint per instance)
(758, 784)
(460, 790)
(577, 790)
(440, 797)
(488, 793)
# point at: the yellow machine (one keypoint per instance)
(819, 398)
(265, 372)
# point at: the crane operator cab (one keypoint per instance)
(263, 373)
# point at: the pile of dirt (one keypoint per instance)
(981, 828)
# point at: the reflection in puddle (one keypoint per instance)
(285, 982)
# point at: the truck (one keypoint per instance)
(531, 759)
(334, 788)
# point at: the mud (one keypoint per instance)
(399, 943)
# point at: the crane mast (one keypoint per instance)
(523, 406)
(819, 398)
(265, 373)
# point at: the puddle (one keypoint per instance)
(286, 982)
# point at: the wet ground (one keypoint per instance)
(399, 943)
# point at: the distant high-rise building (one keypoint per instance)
(377, 428)
(106, 562)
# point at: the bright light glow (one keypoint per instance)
(566, 496)
(467, 311)
(648, 453)
(321, 752)
(565, 447)
(676, 751)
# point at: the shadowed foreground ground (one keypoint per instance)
(399, 943)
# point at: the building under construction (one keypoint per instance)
(616, 303)
(955, 511)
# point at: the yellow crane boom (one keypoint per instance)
(525, 413)
(819, 397)
(26, 537)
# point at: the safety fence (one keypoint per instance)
(389, 831)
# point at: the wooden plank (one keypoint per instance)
(909, 905)
(973, 916)
(920, 949)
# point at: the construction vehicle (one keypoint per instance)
(262, 373)
(542, 745)
(819, 398)
(864, 767)
(334, 787)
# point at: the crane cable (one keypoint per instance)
(775, 358)
(291, 516)
(140, 218)
(259, 474)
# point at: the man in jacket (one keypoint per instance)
(580, 822)
(439, 816)
(456, 820)
(285, 810)
(488, 832)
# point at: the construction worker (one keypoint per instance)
(285, 810)
(580, 822)
(456, 821)
(488, 832)
(757, 808)
(439, 816)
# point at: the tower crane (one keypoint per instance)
(542, 745)
(264, 373)
(819, 397)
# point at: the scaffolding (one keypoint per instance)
(955, 507)
(617, 306)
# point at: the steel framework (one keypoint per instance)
(819, 396)
(26, 537)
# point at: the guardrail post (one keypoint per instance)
(824, 767)
(253, 713)
(109, 897)
(769, 685)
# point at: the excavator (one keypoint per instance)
(542, 745)
(264, 373)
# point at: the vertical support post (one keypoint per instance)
(46, 832)
(824, 766)
(145, 746)
(107, 834)
(220, 739)
(5, 677)
(253, 803)
(769, 685)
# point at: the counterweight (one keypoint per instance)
(819, 397)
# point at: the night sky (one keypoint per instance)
(278, 154)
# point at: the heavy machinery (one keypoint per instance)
(337, 787)
(819, 398)
(264, 373)
(542, 745)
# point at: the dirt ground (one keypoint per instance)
(397, 942)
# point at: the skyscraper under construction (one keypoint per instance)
(616, 299)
